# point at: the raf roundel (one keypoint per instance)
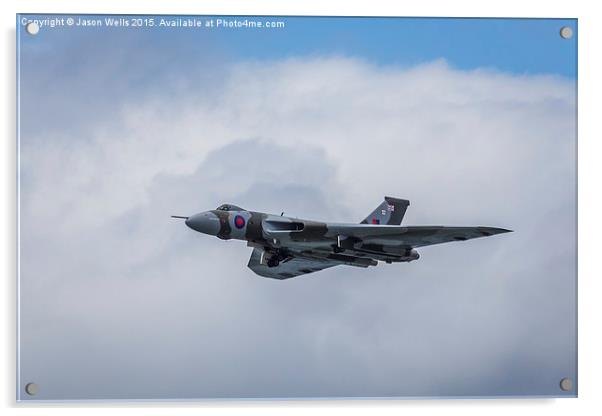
(239, 221)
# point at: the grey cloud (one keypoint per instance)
(119, 301)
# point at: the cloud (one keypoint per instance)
(120, 301)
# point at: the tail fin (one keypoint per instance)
(390, 212)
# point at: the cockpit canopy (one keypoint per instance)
(229, 207)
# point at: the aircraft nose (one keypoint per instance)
(205, 222)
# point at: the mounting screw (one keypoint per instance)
(566, 32)
(31, 389)
(32, 28)
(566, 384)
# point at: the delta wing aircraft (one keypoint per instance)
(285, 247)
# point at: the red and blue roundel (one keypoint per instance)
(239, 221)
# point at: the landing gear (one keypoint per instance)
(337, 249)
(273, 258)
(273, 261)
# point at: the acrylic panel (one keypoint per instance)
(296, 207)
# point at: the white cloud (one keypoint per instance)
(115, 289)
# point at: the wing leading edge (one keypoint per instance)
(415, 236)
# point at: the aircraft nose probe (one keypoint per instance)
(181, 217)
(204, 222)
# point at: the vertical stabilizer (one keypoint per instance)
(390, 212)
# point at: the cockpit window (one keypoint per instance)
(228, 207)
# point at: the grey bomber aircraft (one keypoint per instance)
(285, 247)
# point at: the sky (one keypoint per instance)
(471, 120)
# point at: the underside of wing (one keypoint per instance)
(416, 236)
(291, 267)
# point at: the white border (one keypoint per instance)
(590, 211)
